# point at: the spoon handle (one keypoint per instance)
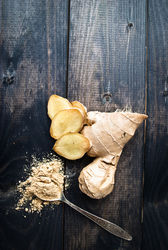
(107, 225)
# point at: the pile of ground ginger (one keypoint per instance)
(46, 180)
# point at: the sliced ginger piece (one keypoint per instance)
(57, 103)
(72, 146)
(80, 106)
(67, 120)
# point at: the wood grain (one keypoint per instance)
(156, 158)
(33, 63)
(106, 71)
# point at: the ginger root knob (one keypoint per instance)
(97, 179)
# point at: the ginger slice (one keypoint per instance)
(72, 146)
(67, 120)
(80, 106)
(57, 103)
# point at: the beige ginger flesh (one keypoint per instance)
(65, 121)
(55, 104)
(72, 146)
(80, 106)
(102, 135)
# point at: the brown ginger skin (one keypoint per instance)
(108, 135)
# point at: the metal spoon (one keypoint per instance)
(107, 225)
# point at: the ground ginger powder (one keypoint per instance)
(46, 180)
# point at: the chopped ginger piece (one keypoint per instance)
(57, 103)
(72, 146)
(67, 120)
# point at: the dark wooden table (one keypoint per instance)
(108, 54)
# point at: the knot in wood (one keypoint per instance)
(9, 77)
(107, 98)
(130, 26)
(165, 93)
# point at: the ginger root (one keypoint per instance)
(108, 134)
(101, 135)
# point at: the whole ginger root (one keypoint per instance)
(108, 135)
(102, 135)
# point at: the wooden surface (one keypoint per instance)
(155, 226)
(109, 55)
(34, 52)
(103, 64)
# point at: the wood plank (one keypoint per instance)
(33, 63)
(107, 72)
(155, 224)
